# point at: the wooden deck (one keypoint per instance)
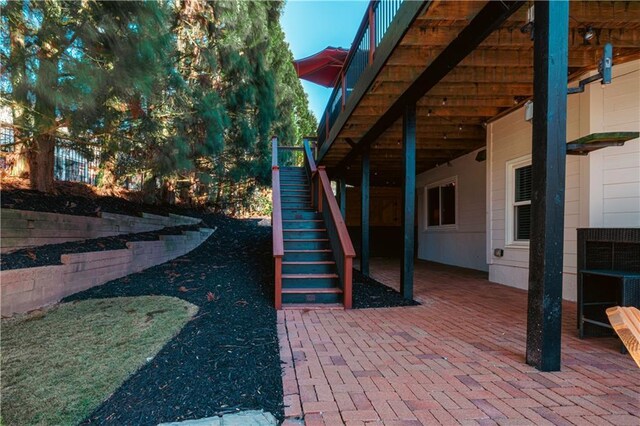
(494, 78)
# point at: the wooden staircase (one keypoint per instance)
(312, 251)
(309, 272)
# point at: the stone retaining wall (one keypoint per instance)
(24, 228)
(26, 289)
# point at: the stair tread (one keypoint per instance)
(311, 262)
(309, 276)
(297, 290)
(295, 306)
(305, 230)
(302, 220)
(308, 251)
(305, 239)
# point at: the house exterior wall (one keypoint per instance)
(602, 189)
(463, 244)
(614, 173)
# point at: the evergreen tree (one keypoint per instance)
(73, 66)
(186, 92)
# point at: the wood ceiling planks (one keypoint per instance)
(492, 79)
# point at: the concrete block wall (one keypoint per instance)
(23, 290)
(24, 228)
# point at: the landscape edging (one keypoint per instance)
(27, 289)
(27, 228)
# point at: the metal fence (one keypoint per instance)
(71, 164)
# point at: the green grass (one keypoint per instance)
(59, 365)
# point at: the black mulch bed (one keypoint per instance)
(227, 357)
(24, 199)
(50, 254)
(369, 293)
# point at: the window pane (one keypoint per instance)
(523, 222)
(448, 204)
(523, 184)
(433, 206)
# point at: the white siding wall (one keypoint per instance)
(465, 245)
(602, 189)
(615, 172)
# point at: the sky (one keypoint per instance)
(311, 25)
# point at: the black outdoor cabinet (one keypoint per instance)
(608, 275)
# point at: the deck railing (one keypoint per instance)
(325, 202)
(374, 25)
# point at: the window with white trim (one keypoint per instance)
(518, 213)
(441, 203)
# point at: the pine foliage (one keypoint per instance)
(185, 92)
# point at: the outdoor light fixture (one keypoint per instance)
(604, 71)
(444, 101)
(429, 113)
(587, 34)
(444, 136)
(460, 127)
(528, 27)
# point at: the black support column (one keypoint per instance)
(550, 60)
(408, 199)
(342, 191)
(364, 216)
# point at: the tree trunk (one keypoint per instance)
(41, 153)
(150, 191)
(17, 64)
(168, 193)
(108, 180)
(41, 163)
(19, 163)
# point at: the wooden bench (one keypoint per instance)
(626, 322)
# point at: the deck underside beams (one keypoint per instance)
(494, 78)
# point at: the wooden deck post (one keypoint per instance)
(408, 199)
(550, 60)
(342, 189)
(364, 217)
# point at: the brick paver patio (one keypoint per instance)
(457, 359)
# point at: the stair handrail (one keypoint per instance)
(325, 202)
(311, 169)
(311, 163)
(276, 222)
